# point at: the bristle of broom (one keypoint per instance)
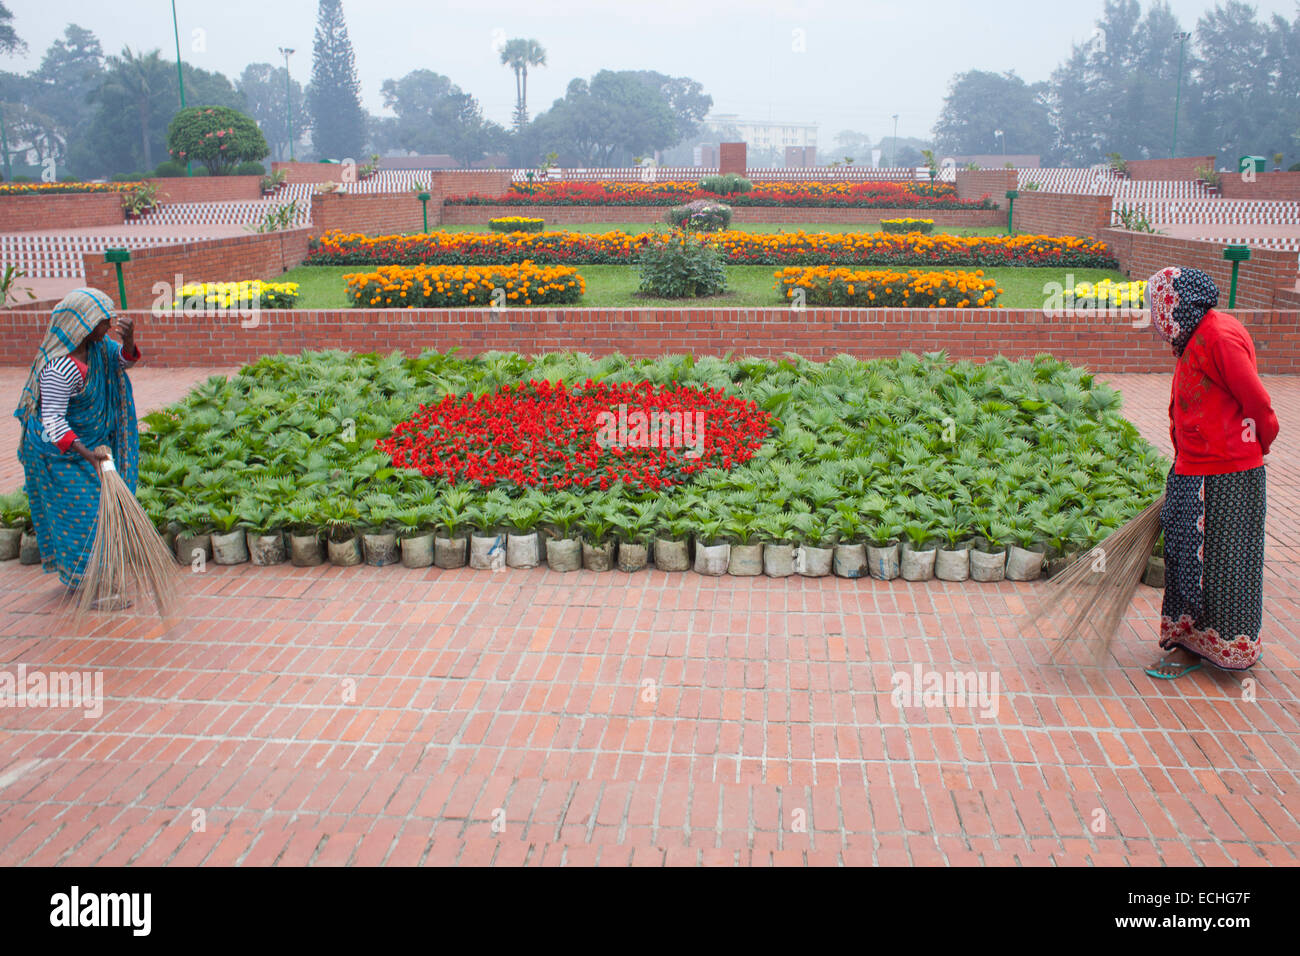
(128, 558)
(1083, 605)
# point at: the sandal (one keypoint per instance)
(1159, 675)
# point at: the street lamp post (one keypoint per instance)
(288, 98)
(1003, 136)
(1182, 39)
(180, 76)
(893, 155)
(4, 144)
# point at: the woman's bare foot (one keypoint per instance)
(1175, 663)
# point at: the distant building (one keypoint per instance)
(439, 161)
(995, 160)
(800, 157)
(767, 134)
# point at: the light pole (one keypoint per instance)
(288, 97)
(893, 154)
(1182, 39)
(180, 76)
(1003, 136)
(4, 144)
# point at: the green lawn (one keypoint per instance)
(867, 225)
(321, 287)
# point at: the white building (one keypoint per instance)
(768, 134)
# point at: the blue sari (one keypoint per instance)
(62, 487)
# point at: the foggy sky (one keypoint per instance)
(864, 61)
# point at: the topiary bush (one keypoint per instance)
(681, 267)
(702, 215)
(250, 167)
(217, 136)
(169, 169)
(726, 184)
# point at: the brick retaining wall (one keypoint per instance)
(1181, 167)
(574, 215)
(60, 211)
(1103, 343)
(374, 214)
(176, 189)
(1266, 186)
(1062, 214)
(978, 183)
(259, 256)
(1259, 280)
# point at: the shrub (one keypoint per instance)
(456, 286)
(1209, 174)
(681, 267)
(115, 178)
(169, 169)
(516, 224)
(702, 215)
(727, 184)
(1293, 168)
(879, 288)
(217, 136)
(250, 167)
(924, 226)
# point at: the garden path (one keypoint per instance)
(380, 715)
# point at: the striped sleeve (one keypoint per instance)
(59, 381)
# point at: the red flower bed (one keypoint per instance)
(538, 434)
(865, 195)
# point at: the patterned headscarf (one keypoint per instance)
(71, 321)
(1178, 299)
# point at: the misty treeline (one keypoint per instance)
(1116, 92)
(89, 114)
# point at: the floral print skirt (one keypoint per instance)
(1214, 566)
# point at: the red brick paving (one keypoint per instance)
(385, 716)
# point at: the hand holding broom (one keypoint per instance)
(127, 557)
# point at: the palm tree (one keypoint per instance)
(141, 79)
(519, 55)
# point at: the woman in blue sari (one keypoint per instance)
(77, 399)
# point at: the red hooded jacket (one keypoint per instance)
(1220, 416)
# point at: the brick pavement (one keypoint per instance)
(381, 715)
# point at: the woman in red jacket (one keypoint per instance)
(1221, 422)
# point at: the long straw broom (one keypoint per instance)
(1082, 606)
(128, 560)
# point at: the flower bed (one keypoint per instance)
(865, 195)
(207, 296)
(535, 434)
(738, 248)
(853, 451)
(49, 189)
(1110, 295)
(923, 226)
(456, 286)
(876, 288)
(516, 224)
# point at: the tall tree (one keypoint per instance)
(269, 97)
(519, 54)
(9, 42)
(606, 122)
(981, 103)
(334, 98)
(434, 115)
(1236, 115)
(133, 104)
(685, 98)
(1116, 91)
